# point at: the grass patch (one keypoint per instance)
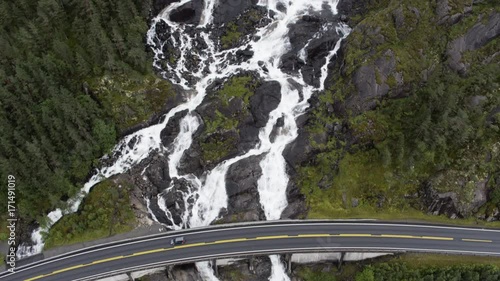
(105, 211)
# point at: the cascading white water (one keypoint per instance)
(208, 194)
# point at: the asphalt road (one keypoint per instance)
(239, 241)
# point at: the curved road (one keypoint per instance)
(259, 239)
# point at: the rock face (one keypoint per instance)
(266, 99)
(188, 13)
(475, 38)
(229, 10)
(370, 82)
(309, 56)
(241, 187)
(159, 5)
(172, 128)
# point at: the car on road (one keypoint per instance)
(178, 241)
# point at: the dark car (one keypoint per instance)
(178, 241)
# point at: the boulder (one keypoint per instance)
(476, 37)
(172, 129)
(159, 5)
(242, 192)
(266, 99)
(228, 10)
(189, 13)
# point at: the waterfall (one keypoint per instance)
(207, 196)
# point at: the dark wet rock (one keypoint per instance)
(184, 272)
(296, 208)
(280, 122)
(266, 99)
(316, 51)
(174, 200)
(261, 266)
(245, 54)
(242, 192)
(172, 128)
(299, 150)
(476, 37)
(228, 10)
(158, 175)
(159, 5)
(192, 161)
(188, 13)
(249, 137)
(291, 63)
(280, 7)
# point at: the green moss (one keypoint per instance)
(231, 36)
(132, 100)
(216, 147)
(220, 122)
(391, 81)
(237, 86)
(105, 211)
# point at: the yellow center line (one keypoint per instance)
(148, 252)
(355, 235)
(399, 236)
(476, 240)
(437, 238)
(190, 245)
(271, 237)
(313, 235)
(103, 260)
(230, 241)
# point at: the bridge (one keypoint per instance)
(259, 238)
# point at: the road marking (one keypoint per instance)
(104, 260)
(399, 236)
(250, 239)
(230, 240)
(476, 240)
(354, 235)
(271, 237)
(313, 235)
(68, 268)
(190, 245)
(437, 238)
(148, 252)
(36, 277)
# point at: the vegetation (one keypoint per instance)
(70, 74)
(401, 271)
(231, 36)
(383, 268)
(220, 137)
(104, 212)
(444, 133)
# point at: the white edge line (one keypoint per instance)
(271, 224)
